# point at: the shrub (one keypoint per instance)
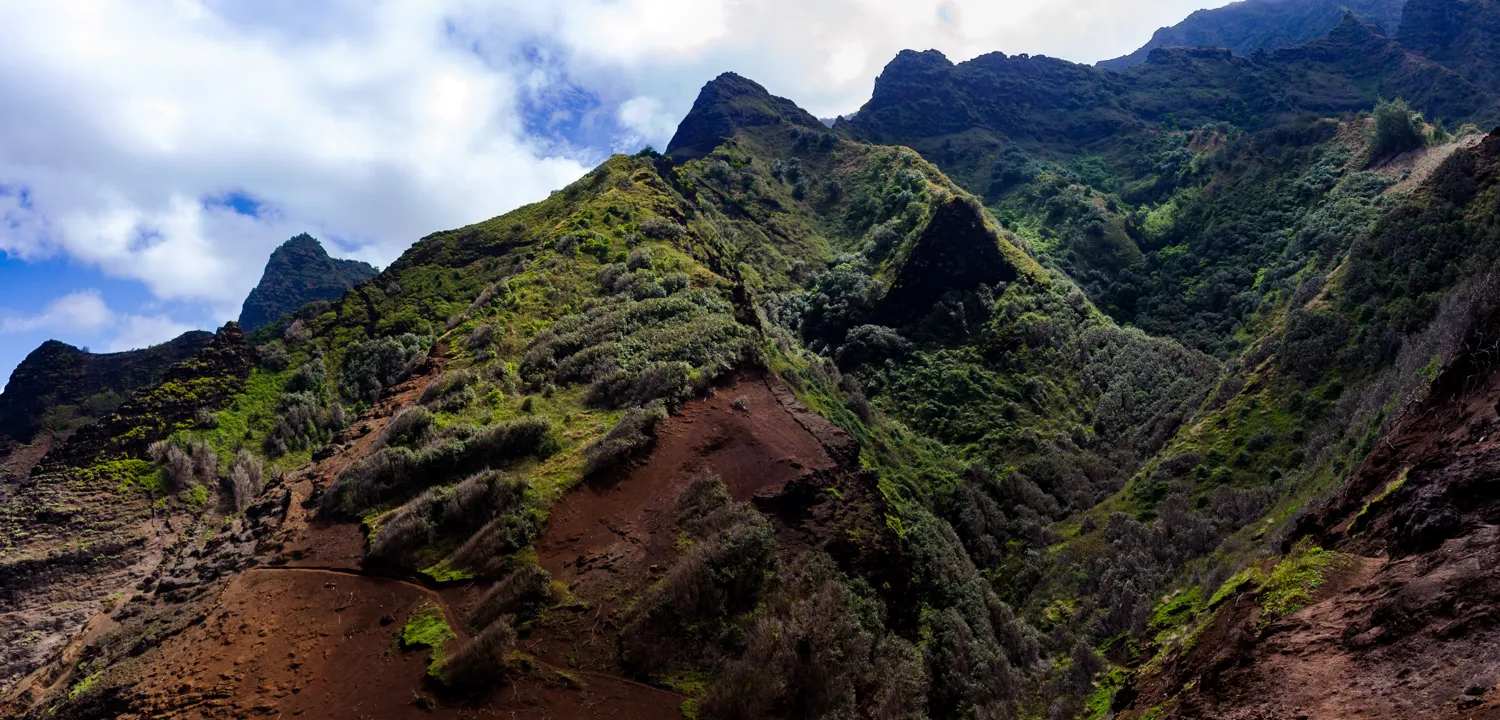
(660, 229)
(274, 356)
(370, 367)
(842, 299)
(205, 462)
(394, 472)
(1398, 128)
(817, 649)
(705, 507)
(246, 480)
(297, 332)
(480, 662)
(482, 338)
(635, 431)
(666, 381)
(522, 594)
(447, 385)
(439, 513)
(302, 421)
(720, 576)
(206, 419)
(412, 426)
(175, 465)
(871, 344)
(639, 259)
(309, 377)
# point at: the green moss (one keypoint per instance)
(442, 572)
(1296, 578)
(1098, 705)
(85, 685)
(1250, 576)
(128, 474)
(427, 626)
(197, 496)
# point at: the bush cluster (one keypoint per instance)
(632, 434)
(441, 513)
(372, 366)
(634, 352)
(717, 578)
(818, 648)
(397, 472)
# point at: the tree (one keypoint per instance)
(1398, 128)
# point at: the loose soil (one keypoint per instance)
(307, 632)
(1408, 628)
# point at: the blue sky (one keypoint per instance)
(152, 154)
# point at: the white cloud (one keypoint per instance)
(82, 311)
(84, 314)
(375, 123)
(138, 331)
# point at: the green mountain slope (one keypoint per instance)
(1057, 416)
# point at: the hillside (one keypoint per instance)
(299, 272)
(1031, 390)
(59, 387)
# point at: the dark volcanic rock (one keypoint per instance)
(730, 103)
(1245, 27)
(205, 381)
(299, 272)
(83, 385)
(957, 252)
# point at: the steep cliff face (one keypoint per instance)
(1246, 27)
(60, 387)
(729, 105)
(92, 520)
(299, 272)
(1463, 35)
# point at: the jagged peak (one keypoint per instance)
(728, 104)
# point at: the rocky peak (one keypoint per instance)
(727, 105)
(299, 272)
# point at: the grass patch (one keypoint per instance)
(1292, 584)
(85, 685)
(428, 627)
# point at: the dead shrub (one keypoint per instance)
(481, 662)
(523, 593)
(246, 480)
(635, 432)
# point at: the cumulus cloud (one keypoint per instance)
(138, 331)
(82, 311)
(370, 124)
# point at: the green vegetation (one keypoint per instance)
(85, 685)
(1292, 583)
(427, 626)
(1398, 128)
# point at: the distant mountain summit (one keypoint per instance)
(299, 272)
(728, 104)
(1251, 25)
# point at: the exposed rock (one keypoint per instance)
(299, 272)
